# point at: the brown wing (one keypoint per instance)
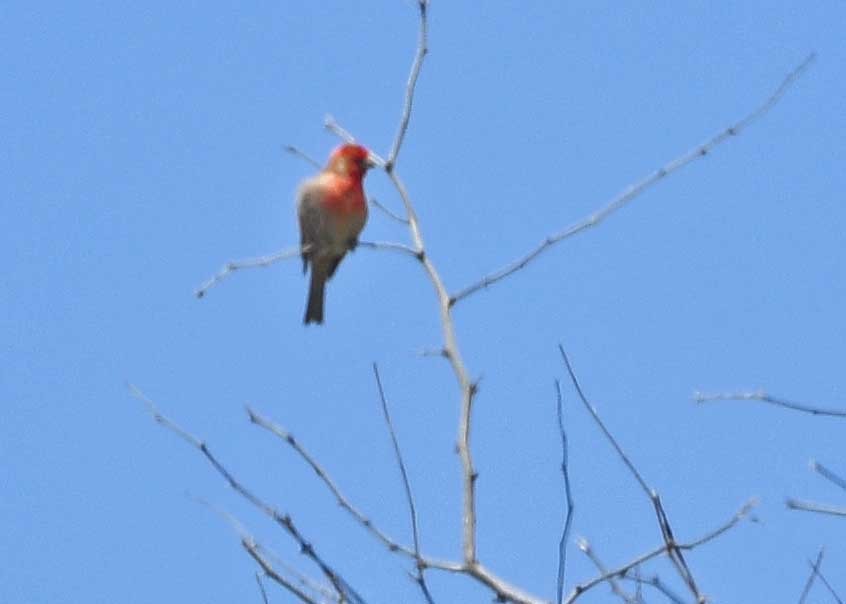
(311, 220)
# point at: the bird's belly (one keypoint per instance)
(344, 230)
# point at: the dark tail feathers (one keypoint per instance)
(316, 291)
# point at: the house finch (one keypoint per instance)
(332, 209)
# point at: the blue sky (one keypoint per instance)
(143, 146)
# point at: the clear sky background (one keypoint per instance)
(143, 146)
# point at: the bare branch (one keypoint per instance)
(389, 213)
(741, 514)
(323, 592)
(507, 592)
(595, 414)
(260, 262)
(828, 474)
(623, 570)
(504, 591)
(303, 155)
(252, 549)
(586, 547)
(568, 518)
(824, 581)
(422, 49)
(342, 500)
(673, 551)
(639, 187)
(261, 588)
(332, 126)
(451, 350)
(419, 578)
(815, 567)
(283, 520)
(389, 246)
(760, 395)
(809, 506)
(243, 534)
(287, 254)
(655, 582)
(471, 566)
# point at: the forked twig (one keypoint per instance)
(302, 579)
(674, 552)
(252, 548)
(283, 520)
(815, 568)
(324, 476)
(623, 570)
(588, 551)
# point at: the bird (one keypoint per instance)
(332, 211)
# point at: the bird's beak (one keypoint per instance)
(370, 163)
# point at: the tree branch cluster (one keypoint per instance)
(333, 587)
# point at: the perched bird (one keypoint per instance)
(332, 210)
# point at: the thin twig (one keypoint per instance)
(595, 414)
(389, 213)
(321, 472)
(243, 534)
(324, 592)
(283, 520)
(260, 262)
(828, 474)
(253, 550)
(810, 506)
(295, 151)
(568, 518)
(419, 577)
(287, 254)
(760, 395)
(261, 588)
(389, 246)
(674, 553)
(422, 49)
(335, 128)
(587, 549)
(637, 188)
(815, 567)
(741, 514)
(655, 582)
(825, 582)
(622, 571)
(477, 571)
